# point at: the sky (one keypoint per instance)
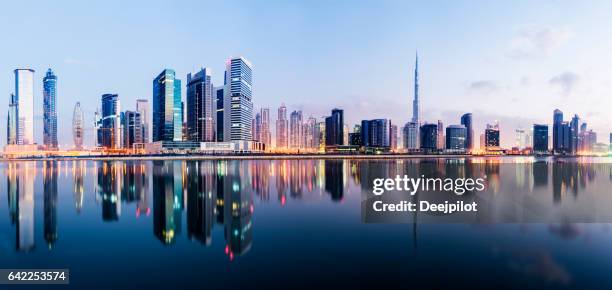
(513, 62)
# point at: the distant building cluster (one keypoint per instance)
(222, 119)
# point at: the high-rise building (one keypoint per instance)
(415, 101)
(77, 126)
(319, 136)
(466, 120)
(295, 130)
(563, 139)
(334, 128)
(24, 95)
(456, 137)
(257, 127)
(355, 137)
(574, 134)
(309, 133)
(540, 139)
(50, 110)
(200, 106)
(110, 127)
(142, 107)
(266, 135)
(393, 137)
(411, 136)
(441, 139)
(12, 122)
(375, 133)
(167, 117)
(132, 129)
(492, 137)
(282, 128)
(429, 137)
(219, 113)
(238, 103)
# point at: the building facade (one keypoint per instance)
(132, 129)
(466, 121)
(24, 96)
(238, 103)
(50, 110)
(199, 108)
(282, 128)
(167, 112)
(375, 133)
(142, 107)
(110, 122)
(78, 126)
(540, 139)
(429, 137)
(456, 138)
(334, 128)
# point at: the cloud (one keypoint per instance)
(533, 42)
(483, 86)
(566, 81)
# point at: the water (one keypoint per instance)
(288, 223)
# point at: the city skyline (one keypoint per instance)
(524, 62)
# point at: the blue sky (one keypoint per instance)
(514, 62)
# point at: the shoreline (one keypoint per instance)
(274, 157)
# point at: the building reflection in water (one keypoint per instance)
(201, 200)
(220, 193)
(50, 172)
(78, 172)
(334, 178)
(167, 197)
(20, 189)
(108, 190)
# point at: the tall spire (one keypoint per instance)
(415, 102)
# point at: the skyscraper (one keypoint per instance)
(309, 133)
(411, 129)
(219, 113)
(411, 136)
(466, 120)
(24, 95)
(574, 134)
(334, 128)
(393, 137)
(77, 126)
(11, 122)
(429, 137)
(50, 111)
(167, 117)
(441, 140)
(540, 139)
(282, 126)
(132, 129)
(200, 106)
(142, 106)
(110, 129)
(238, 103)
(375, 133)
(266, 136)
(257, 127)
(415, 102)
(456, 136)
(562, 134)
(295, 130)
(492, 137)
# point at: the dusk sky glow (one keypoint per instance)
(513, 61)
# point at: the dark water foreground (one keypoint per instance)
(291, 223)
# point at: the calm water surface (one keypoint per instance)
(287, 223)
